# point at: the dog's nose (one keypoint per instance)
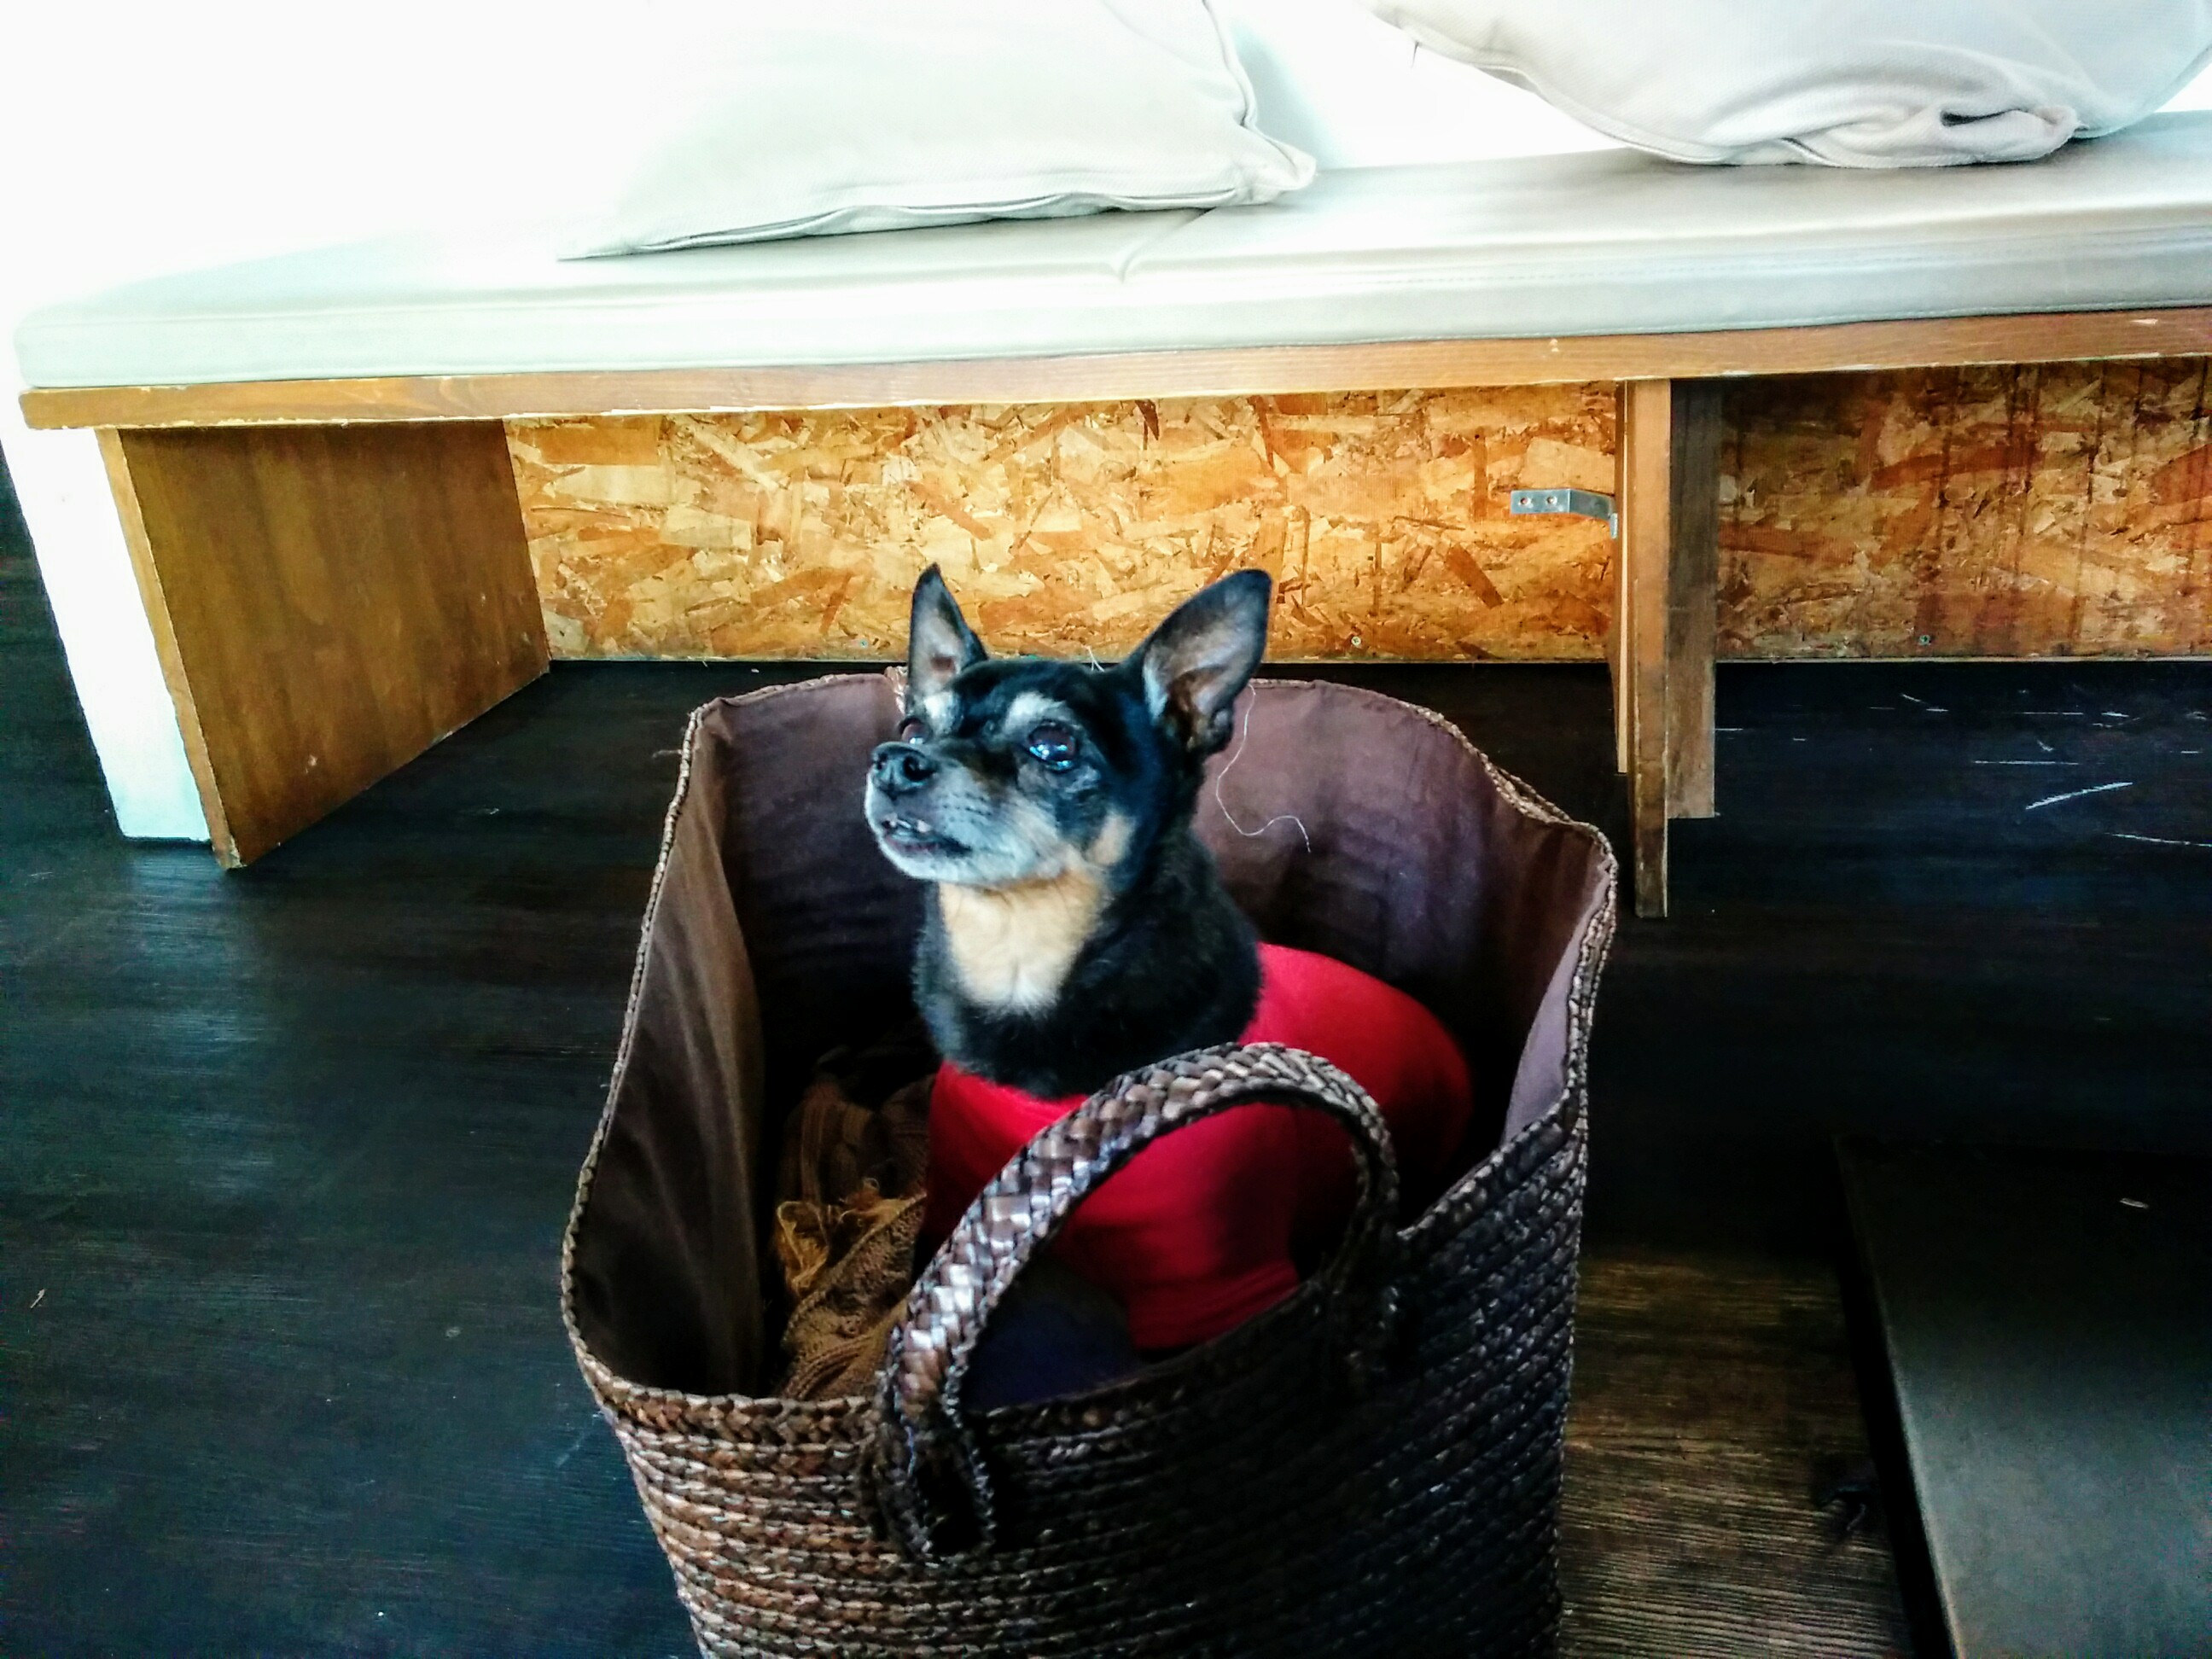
(900, 767)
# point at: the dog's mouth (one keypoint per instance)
(909, 834)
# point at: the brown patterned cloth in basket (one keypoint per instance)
(849, 1209)
(1371, 1466)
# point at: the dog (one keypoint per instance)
(1075, 927)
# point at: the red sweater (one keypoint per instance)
(1199, 1233)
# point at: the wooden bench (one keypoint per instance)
(310, 462)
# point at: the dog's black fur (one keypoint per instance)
(1076, 927)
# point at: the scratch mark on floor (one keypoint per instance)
(2077, 794)
(577, 1444)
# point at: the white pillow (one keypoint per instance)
(1861, 83)
(828, 116)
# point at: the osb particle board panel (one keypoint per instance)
(2062, 509)
(1383, 517)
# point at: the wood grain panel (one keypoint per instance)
(1691, 604)
(1382, 516)
(2044, 510)
(1247, 371)
(1647, 477)
(336, 601)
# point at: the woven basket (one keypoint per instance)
(1372, 1467)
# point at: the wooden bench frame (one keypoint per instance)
(336, 573)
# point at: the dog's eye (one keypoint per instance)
(911, 730)
(1052, 745)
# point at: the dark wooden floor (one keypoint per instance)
(1713, 1402)
(285, 1154)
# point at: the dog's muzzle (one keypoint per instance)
(899, 777)
(900, 769)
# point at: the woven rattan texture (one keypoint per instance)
(921, 1424)
(1238, 1502)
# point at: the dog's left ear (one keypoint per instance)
(939, 642)
(1197, 659)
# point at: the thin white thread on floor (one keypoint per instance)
(2155, 840)
(1280, 817)
(2075, 794)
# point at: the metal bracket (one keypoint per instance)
(1583, 503)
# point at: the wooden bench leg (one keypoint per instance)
(328, 602)
(1665, 606)
(1692, 596)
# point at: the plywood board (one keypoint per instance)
(1647, 476)
(331, 600)
(1383, 517)
(2047, 337)
(2057, 510)
(2064, 509)
(1692, 605)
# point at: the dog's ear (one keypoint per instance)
(939, 642)
(1197, 659)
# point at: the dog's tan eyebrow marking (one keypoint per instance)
(1112, 841)
(1028, 708)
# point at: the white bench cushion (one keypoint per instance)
(1603, 243)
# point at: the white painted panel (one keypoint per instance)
(2197, 95)
(143, 137)
(63, 485)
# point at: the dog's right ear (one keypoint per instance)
(1196, 661)
(939, 643)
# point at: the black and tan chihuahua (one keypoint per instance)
(1076, 927)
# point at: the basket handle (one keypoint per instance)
(922, 1443)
